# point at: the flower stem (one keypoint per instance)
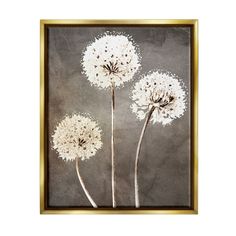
(136, 187)
(112, 146)
(83, 186)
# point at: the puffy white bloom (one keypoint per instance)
(162, 91)
(111, 58)
(77, 136)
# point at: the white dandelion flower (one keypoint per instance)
(162, 92)
(77, 137)
(158, 97)
(109, 62)
(111, 59)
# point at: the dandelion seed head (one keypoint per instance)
(76, 136)
(164, 92)
(111, 58)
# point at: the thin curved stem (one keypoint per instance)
(136, 187)
(83, 186)
(112, 146)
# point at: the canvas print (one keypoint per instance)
(119, 120)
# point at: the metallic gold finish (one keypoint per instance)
(141, 23)
(42, 124)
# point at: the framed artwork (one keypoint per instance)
(119, 116)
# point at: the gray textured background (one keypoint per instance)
(164, 170)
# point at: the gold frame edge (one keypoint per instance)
(194, 23)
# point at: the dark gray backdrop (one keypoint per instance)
(164, 169)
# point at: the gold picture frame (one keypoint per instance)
(44, 209)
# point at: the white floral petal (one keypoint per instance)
(112, 58)
(76, 136)
(163, 91)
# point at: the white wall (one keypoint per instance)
(19, 124)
